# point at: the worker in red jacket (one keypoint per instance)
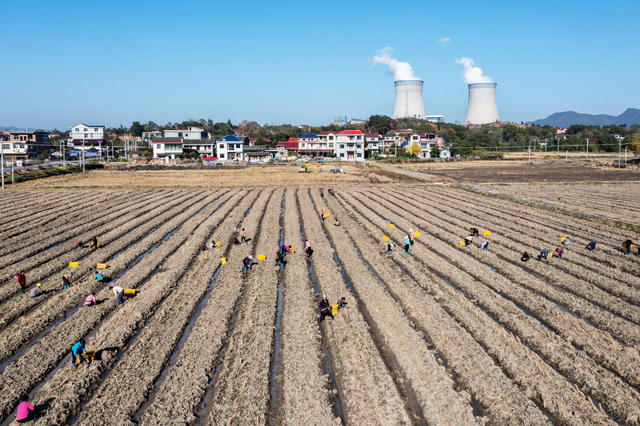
(22, 282)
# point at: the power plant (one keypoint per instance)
(409, 102)
(482, 107)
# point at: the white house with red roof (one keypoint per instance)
(374, 143)
(350, 145)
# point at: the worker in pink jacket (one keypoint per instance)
(25, 412)
(90, 300)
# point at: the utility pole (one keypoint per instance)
(2, 160)
(587, 148)
(625, 155)
(12, 179)
(64, 159)
(83, 157)
(529, 154)
(619, 152)
(566, 156)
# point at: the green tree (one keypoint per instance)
(634, 143)
(379, 124)
(435, 151)
(136, 128)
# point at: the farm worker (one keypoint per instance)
(26, 412)
(591, 246)
(36, 291)
(337, 223)
(342, 303)
(79, 244)
(325, 310)
(247, 263)
(90, 300)
(322, 215)
(243, 236)
(565, 241)
(22, 282)
(280, 259)
(407, 244)
(524, 257)
(307, 248)
(99, 277)
(94, 243)
(66, 281)
(77, 351)
(484, 245)
(213, 244)
(474, 232)
(627, 245)
(285, 249)
(544, 254)
(333, 194)
(203, 246)
(390, 247)
(468, 240)
(117, 291)
(559, 252)
(411, 235)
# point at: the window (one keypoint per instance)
(330, 145)
(85, 129)
(359, 137)
(5, 146)
(342, 154)
(95, 129)
(341, 146)
(77, 129)
(179, 134)
(160, 146)
(359, 146)
(330, 138)
(359, 154)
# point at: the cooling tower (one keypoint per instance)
(409, 99)
(482, 107)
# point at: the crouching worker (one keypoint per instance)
(79, 354)
(101, 278)
(36, 291)
(559, 252)
(484, 245)
(280, 259)
(325, 309)
(247, 263)
(22, 282)
(118, 292)
(544, 254)
(390, 248)
(94, 244)
(26, 412)
(342, 303)
(90, 300)
(407, 244)
(591, 246)
(627, 245)
(474, 232)
(468, 240)
(66, 281)
(525, 257)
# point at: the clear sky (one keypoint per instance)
(112, 62)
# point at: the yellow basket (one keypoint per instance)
(223, 261)
(291, 250)
(74, 264)
(416, 234)
(385, 238)
(102, 266)
(218, 244)
(487, 233)
(261, 257)
(462, 244)
(561, 239)
(391, 225)
(327, 214)
(334, 309)
(130, 291)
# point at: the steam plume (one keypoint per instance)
(472, 74)
(400, 70)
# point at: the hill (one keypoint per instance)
(567, 118)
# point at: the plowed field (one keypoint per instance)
(444, 334)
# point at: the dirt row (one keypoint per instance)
(42, 201)
(568, 274)
(26, 327)
(47, 352)
(368, 392)
(45, 238)
(448, 313)
(117, 238)
(424, 379)
(605, 260)
(599, 345)
(156, 276)
(305, 387)
(184, 395)
(43, 222)
(120, 394)
(242, 387)
(511, 305)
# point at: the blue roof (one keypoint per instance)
(308, 136)
(230, 138)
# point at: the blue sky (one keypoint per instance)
(113, 62)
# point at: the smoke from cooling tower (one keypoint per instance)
(472, 74)
(400, 70)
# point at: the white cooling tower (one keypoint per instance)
(482, 107)
(409, 99)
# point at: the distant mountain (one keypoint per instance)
(567, 118)
(11, 128)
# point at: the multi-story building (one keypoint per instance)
(148, 136)
(167, 147)
(85, 136)
(230, 148)
(350, 145)
(183, 141)
(25, 145)
(189, 133)
(313, 146)
(374, 143)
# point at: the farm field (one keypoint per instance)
(444, 334)
(619, 201)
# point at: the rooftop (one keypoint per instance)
(351, 132)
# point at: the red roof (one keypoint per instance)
(351, 132)
(293, 140)
(289, 145)
(209, 158)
